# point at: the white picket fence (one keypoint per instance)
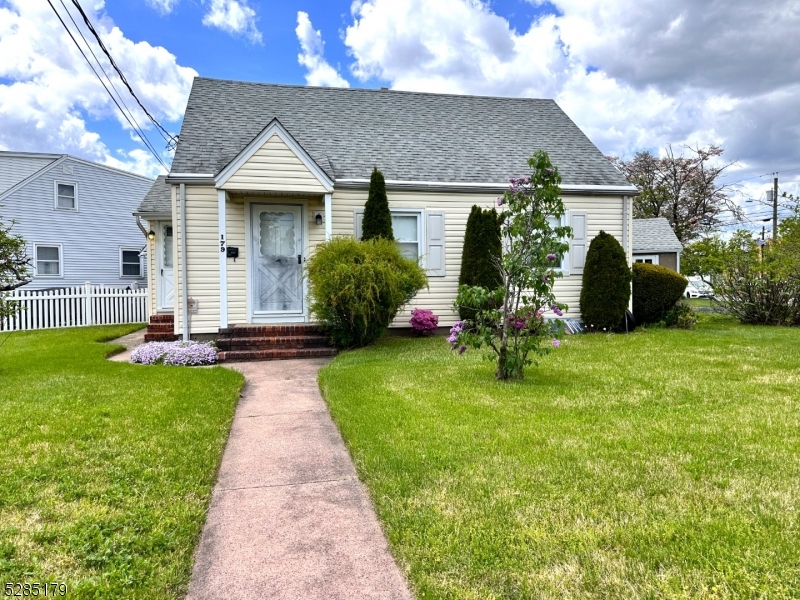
(76, 307)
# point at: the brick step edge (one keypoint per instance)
(234, 355)
(160, 337)
(161, 328)
(162, 318)
(272, 342)
(267, 331)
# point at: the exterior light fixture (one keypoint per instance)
(151, 235)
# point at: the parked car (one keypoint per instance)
(697, 288)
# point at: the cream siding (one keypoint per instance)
(277, 168)
(202, 249)
(152, 273)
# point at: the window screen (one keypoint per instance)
(66, 196)
(48, 260)
(405, 227)
(131, 263)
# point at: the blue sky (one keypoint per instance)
(633, 74)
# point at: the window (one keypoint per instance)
(130, 262)
(66, 195)
(559, 222)
(650, 259)
(47, 260)
(407, 229)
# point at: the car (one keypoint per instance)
(697, 288)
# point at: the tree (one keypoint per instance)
(606, 284)
(377, 221)
(481, 253)
(14, 264)
(510, 319)
(683, 189)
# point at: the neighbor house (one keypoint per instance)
(75, 217)
(655, 242)
(263, 173)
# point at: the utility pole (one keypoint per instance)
(775, 209)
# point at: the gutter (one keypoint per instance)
(184, 270)
(141, 227)
(488, 187)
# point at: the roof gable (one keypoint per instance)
(654, 235)
(410, 136)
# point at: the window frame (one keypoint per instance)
(122, 250)
(564, 268)
(419, 213)
(36, 274)
(641, 258)
(74, 185)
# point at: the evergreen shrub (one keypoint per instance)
(656, 290)
(606, 288)
(481, 252)
(377, 221)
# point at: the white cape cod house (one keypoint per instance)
(263, 173)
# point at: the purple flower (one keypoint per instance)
(462, 349)
(175, 353)
(539, 313)
(452, 339)
(551, 257)
(557, 310)
(423, 321)
(549, 170)
(556, 343)
(499, 202)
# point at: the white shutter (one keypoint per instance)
(578, 244)
(358, 218)
(435, 259)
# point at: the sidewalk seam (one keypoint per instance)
(274, 485)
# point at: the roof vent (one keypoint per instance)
(384, 89)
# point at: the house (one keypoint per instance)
(263, 173)
(655, 242)
(75, 217)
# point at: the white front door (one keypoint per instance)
(165, 292)
(277, 265)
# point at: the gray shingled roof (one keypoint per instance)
(654, 235)
(158, 199)
(410, 136)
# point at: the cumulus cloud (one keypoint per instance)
(163, 6)
(52, 94)
(234, 17)
(312, 55)
(634, 74)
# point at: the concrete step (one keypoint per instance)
(277, 354)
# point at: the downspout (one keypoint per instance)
(141, 227)
(184, 270)
(628, 254)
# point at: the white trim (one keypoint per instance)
(274, 128)
(74, 184)
(60, 260)
(328, 218)
(223, 259)
(159, 247)
(14, 154)
(564, 222)
(491, 186)
(190, 178)
(138, 251)
(421, 230)
(642, 257)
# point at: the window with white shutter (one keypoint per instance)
(579, 242)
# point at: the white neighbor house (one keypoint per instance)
(263, 173)
(75, 217)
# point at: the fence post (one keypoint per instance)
(88, 305)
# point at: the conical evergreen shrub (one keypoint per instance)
(377, 221)
(481, 248)
(606, 288)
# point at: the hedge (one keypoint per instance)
(606, 286)
(656, 290)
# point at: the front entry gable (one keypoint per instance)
(274, 162)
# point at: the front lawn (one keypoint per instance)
(106, 469)
(665, 463)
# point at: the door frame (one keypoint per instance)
(159, 264)
(248, 217)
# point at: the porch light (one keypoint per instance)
(318, 218)
(151, 235)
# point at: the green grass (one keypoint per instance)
(106, 469)
(698, 302)
(662, 464)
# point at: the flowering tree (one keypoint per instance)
(14, 265)
(509, 320)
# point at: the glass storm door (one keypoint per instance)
(277, 243)
(166, 283)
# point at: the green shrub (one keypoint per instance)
(656, 290)
(481, 251)
(606, 288)
(356, 288)
(681, 316)
(377, 221)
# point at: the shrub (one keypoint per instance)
(481, 253)
(175, 353)
(377, 221)
(656, 290)
(681, 316)
(606, 288)
(357, 288)
(423, 321)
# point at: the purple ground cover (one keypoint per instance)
(175, 353)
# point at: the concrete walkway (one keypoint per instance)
(288, 517)
(130, 342)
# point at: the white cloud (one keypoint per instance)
(633, 74)
(52, 91)
(163, 6)
(312, 55)
(234, 17)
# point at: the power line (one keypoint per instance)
(124, 114)
(169, 138)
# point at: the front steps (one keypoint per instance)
(272, 342)
(161, 329)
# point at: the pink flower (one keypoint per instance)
(499, 202)
(556, 343)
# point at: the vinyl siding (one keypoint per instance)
(14, 169)
(274, 167)
(151, 272)
(202, 250)
(92, 236)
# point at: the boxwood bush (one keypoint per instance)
(656, 290)
(606, 287)
(357, 287)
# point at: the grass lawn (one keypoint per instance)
(106, 469)
(698, 302)
(662, 464)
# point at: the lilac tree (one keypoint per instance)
(509, 320)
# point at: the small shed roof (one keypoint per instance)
(158, 200)
(654, 235)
